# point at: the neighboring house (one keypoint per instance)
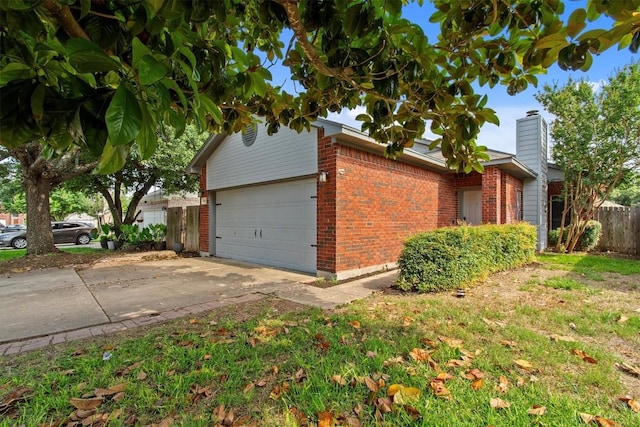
(328, 202)
(153, 206)
(83, 217)
(7, 218)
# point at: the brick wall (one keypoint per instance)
(511, 191)
(555, 188)
(380, 202)
(491, 195)
(204, 212)
(326, 205)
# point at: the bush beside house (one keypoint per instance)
(452, 257)
(587, 241)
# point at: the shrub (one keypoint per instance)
(452, 257)
(586, 242)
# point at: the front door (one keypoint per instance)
(472, 207)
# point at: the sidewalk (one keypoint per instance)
(52, 306)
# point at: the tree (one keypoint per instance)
(98, 76)
(628, 192)
(596, 137)
(165, 169)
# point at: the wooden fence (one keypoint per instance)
(184, 227)
(620, 229)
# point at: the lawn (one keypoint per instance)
(546, 345)
(7, 254)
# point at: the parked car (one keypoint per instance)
(12, 227)
(63, 232)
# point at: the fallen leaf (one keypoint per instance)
(355, 324)
(631, 402)
(508, 343)
(451, 342)
(631, 370)
(405, 395)
(228, 419)
(325, 419)
(537, 410)
(563, 338)
(524, 364)
(393, 361)
(88, 403)
(383, 404)
(477, 384)
(142, 375)
(444, 376)
(419, 354)
(371, 354)
(248, 388)
(499, 403)
(218, 414)
(623, 319)
(12, 398)
(520, 381)
(407, 321)
(584, 356)
(371, 385)
(473, 374)
(261, 382)
(337, 379)
(440, 390)
(503, 385)
(300, 375)
(428, 342)
(115, 389)
(193, 321)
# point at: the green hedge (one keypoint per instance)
(587, 242)
(451, 257)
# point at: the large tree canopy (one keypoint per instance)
(99, 76)
(103, 73)
(596, 137)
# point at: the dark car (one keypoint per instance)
(63, 232)
(13, 227)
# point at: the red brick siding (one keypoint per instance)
(204, 212)
(555, 188)
(491, 195)
(473, 179)
(380, 202)
(326, 205)
(510, 188)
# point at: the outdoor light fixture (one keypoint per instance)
(324, 175)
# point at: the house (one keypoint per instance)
(329, 203)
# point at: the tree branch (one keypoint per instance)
(65, 18)
(300, 32)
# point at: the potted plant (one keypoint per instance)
(130, 236)
(158, 233)
(107, 235)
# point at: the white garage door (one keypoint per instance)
(272, 224)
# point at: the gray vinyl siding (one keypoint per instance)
(531, 149)
(284, 155)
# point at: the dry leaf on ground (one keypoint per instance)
(631, 370)
(503, 385)
(452, 342)
(584, 356)
(562, 338)
(538, 410)
(631, 402)
(89, 403)
(499, 403)
(524, 365)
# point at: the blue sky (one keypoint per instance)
(510, 108)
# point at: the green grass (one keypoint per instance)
(272, 363)
(7, 254)
(590, 264)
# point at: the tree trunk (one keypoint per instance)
(39, 234)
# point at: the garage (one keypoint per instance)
(272, 224)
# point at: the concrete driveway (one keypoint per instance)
(53, 301)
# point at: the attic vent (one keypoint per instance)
(249, 136)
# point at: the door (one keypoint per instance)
(272, 224)
(472, 207)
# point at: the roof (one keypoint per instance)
(417, 155)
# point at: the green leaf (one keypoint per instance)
(113, 158)
(207, 106)
(576, 22)
(123, 117)
(139, 51)
(15, 71)
(552, 41)
(151, 70)
(87, 57)
(147, 139)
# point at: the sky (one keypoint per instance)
(510, 108)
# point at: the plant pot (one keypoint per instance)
(178, 247)
(129, 247)
(104, 243)
(111, 245)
